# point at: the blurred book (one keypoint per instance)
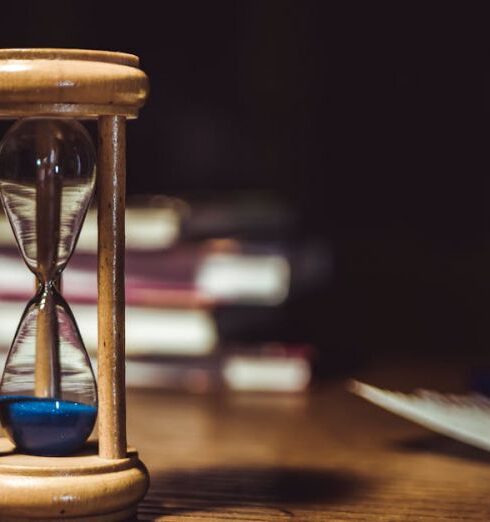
(161, 227)
(268, 367)
(154, 223)
(183, 277)
(149, 331)
(462, 417)
(244, 214)
(157, 222)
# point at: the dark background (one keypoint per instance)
(363, 116)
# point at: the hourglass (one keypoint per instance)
(49, 399)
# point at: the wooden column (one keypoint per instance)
(111, 189)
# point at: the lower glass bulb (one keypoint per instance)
(48, 397)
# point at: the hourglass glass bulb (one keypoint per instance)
(48, 397)
(46, 180)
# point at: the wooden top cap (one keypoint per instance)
(70, 82)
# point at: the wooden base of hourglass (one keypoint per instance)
(82, 487)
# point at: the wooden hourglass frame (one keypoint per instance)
(101, 483)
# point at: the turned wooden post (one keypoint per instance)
(111, 190)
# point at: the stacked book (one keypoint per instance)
(185, 261)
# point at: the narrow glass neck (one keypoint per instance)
(52, 286)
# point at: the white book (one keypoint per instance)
(266, 373)
(146, 228)
(149, 331)
(225, 277)
(462, 417)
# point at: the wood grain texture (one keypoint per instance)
(70, 82)
(328, 456)
(89, 55)
(111, 193)
(80, 487)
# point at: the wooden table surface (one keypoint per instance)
(319, 457)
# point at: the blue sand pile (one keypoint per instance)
(47, 427)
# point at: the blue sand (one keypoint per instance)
(46, 427)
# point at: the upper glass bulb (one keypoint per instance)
(47, 175)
